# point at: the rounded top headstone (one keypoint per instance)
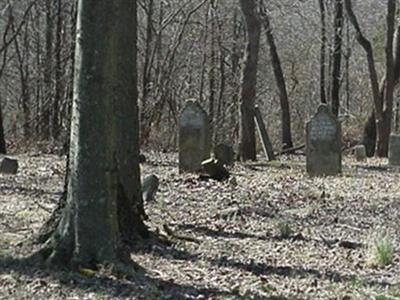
(323, 108)
(192, 114)
(193, 104)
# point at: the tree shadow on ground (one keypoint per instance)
(162, 247)
(259, 269)
(141, 285)
(201, 229)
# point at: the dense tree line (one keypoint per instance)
(309, 52)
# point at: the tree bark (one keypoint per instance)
(337, 57)
(249, 81)
(58, 87)
(280, 82)
(371, 130)
(47, 73)
(383, 141)
(3, 147)
(323, 52)
(147, 65)
(103, 200)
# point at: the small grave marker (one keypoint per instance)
(394, 150)
(9, 166)
(360, 153)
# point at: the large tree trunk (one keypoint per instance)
(103, 199)
(337, 57)
(280, 82)
(249, 81)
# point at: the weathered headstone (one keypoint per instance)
(194, 137)
(9, 166)
(360, 153)
(224, 154)
(323, 144)
(394, 150)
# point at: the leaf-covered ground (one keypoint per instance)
(228, 238)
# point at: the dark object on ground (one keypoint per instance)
(150, 188)
(290, 150)
(142, 158)
(9, 166)
(215, 169)
(224, 154)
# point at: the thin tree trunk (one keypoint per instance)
(249, 81)
(212, 72)
(58, 93)
(347, 66)
(323, 51)
(221, 113)
(3, 146)
(373, 129)
(235, 58)
(337, 57)
(204, 59)
(383, 142)
(48, 71)
(280, 81)
(146, 77)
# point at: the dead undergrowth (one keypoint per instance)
(275, 233)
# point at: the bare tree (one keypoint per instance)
(249, 80)
(379, 122)
(322, 51)
(337, 57)
(383, 141)
(280, 81)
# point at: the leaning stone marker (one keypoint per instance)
(394, 150)
(9, 166)
(323, 144)
(194, 137)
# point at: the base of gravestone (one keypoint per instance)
(394, 150)
(9, 166)
(360, 153)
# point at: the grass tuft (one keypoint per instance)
(381, 250)
(284, 230)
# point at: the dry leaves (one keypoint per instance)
(241, 254)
